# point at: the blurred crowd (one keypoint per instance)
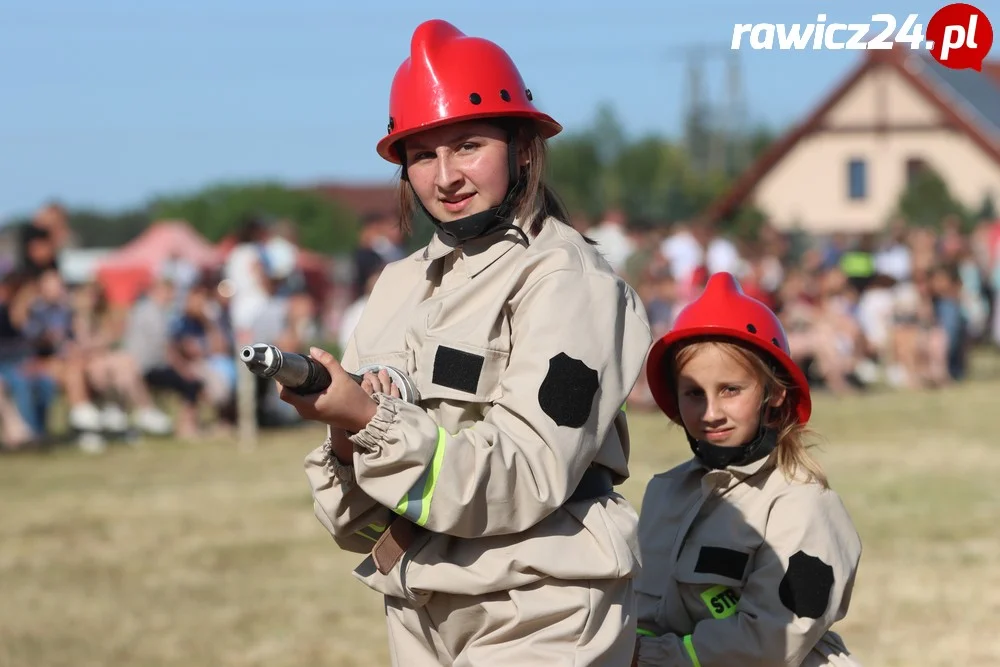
(898, 309)
(75, 368)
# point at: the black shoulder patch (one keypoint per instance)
(722, 561)
(568, 390)
(456, 369)
(805, 588)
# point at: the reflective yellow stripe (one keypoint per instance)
(689, 645)
(644, 633)
(624, 407)
(372, 531)
(416, 504)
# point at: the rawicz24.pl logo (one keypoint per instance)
(958, 36)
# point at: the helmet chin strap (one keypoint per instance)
(718, 457)
(488, 221)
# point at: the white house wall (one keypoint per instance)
(808, 188)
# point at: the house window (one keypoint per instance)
(857, 179)
(914, 166)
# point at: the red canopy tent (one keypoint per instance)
(131, 269)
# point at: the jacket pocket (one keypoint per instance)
(452, 371)
(716, 573)
(395, 582)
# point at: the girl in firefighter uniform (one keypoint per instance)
(486, 508)
(748, 557)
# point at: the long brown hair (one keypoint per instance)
(538, 201)
(794, 439)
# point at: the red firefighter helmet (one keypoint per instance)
(450, 77)
(723, 310)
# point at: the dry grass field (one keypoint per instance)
(173, 554)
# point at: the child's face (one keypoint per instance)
(941, 282)
(196, 302)
(50, 286)
(719, 399)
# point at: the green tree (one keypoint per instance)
(100, 229)
(575, 172)
(216, 211)
(987, 210)
(652, 176)
(608, 133)
(658, 181)
(96, 229)
(760, 139)
(610, 141)
(746, 223)
(641, 175)
(926, 201)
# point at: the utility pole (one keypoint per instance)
(738, 125)
(714, 132)
(698, 123)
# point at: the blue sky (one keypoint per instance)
(106, 103)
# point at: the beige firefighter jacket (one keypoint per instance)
(523, 357)
(743, 567)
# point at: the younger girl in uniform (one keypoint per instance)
(748, 557)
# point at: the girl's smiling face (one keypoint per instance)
(718, 394)
(458, 170)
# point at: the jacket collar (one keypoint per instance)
(738, 473)
(477, 254)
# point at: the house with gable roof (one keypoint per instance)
(845, 165)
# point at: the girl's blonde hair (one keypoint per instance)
(794, 439)
(537, 201)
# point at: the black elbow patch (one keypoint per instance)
(456, 369)
(568, 390)
(805, 588)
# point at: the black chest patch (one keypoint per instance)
(723, 562)
(567, 392)
(805, 588)
(456, 369)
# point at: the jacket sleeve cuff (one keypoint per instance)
(323, 466)
(372, 437)
(664, 651)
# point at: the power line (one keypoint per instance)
(715, 131)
